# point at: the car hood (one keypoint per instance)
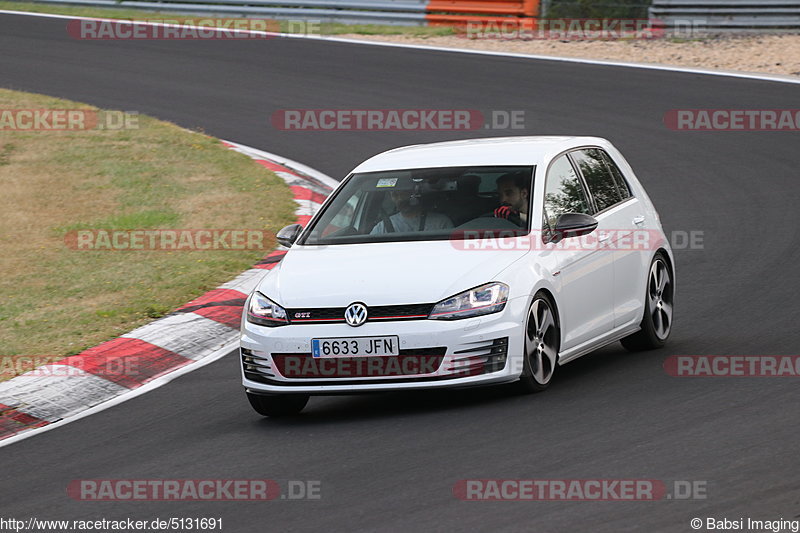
(381, 273)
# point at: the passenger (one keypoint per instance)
(514, 190)
(410, 217)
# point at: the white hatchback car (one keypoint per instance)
(458, 264)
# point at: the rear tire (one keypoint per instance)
(276, 405)
(656, 323)
(542, 338)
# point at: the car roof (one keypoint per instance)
(529, 150)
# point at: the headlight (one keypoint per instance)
(265, 312)
(489, 298)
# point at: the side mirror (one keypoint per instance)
(289, 234)
(573, 225)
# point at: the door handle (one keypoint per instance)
(638, 220)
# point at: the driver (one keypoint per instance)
(410, 216)
(514, 191)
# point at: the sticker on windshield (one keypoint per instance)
(387, 182)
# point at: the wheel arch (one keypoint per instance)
(552, 297)
(670, 265)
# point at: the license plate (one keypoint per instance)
(356, 347)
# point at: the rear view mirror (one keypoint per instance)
(289, 234)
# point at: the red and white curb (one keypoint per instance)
(195, 334)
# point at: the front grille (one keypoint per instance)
(335, 315)
(410, 362)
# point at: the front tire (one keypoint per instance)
(542, 341)
(656, 323)
(276, 405)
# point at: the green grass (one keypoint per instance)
(147, 219)
(325, 28)
(58, 301)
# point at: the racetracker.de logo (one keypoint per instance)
(733, 119)
(55, 366)
(66, 120)
(732, 366)
(162, 490)
(561, 29)
(173, 489)
(559, 489)
(493, 240)
(170, 240)
(396, 119)
(173, 29)
(579, 490)
(341, 366)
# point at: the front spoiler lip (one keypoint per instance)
(501, 376)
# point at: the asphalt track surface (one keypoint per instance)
(389, 462)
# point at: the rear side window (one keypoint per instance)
(563, 193)
(622, 185)
(598, 177)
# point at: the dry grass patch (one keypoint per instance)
(58, 301)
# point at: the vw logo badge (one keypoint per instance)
(355, 314)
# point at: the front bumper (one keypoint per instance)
(460, 353)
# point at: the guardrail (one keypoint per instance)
(712, 14)
(728, 14)
(458, 12)
(401, 12)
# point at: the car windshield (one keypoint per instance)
(425, 204)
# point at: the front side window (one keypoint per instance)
(425, 204)
(563, 194)
(598, 177)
